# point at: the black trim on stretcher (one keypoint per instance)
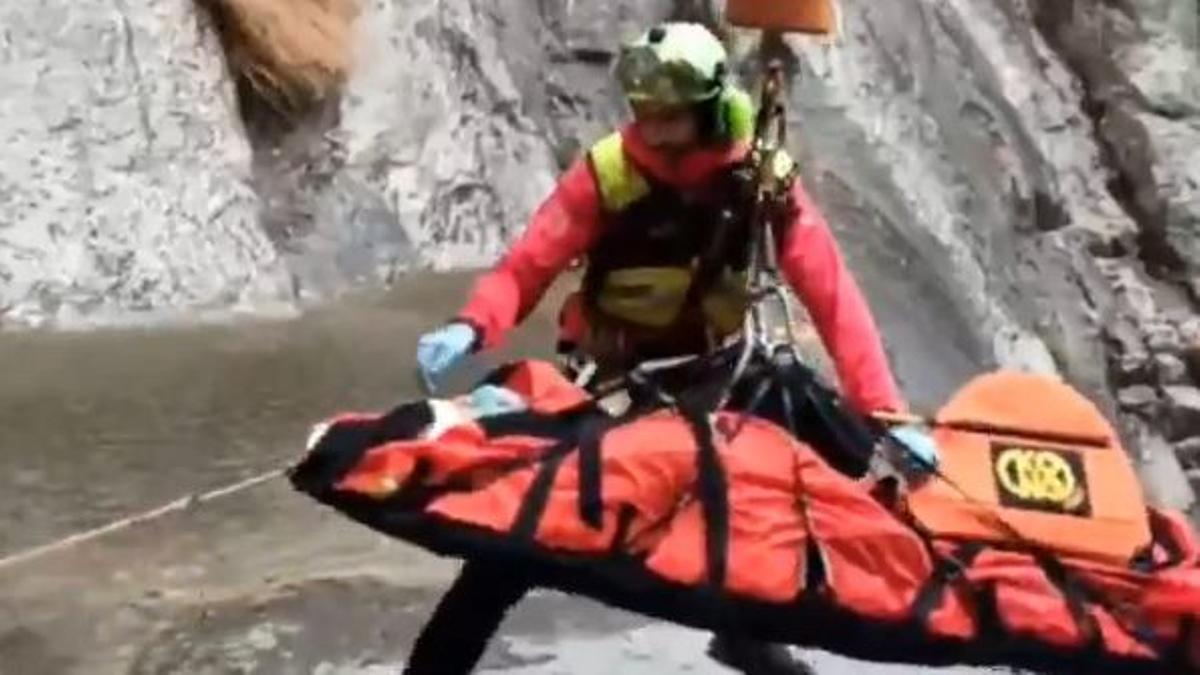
(621, 579)
(812, 620)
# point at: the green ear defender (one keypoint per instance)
(735, 115)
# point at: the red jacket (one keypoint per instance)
(569, 221)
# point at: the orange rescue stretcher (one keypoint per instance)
(1031, 546)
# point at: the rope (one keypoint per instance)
(180, 504)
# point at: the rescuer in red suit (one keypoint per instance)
(639, 208)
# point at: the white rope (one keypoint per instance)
(180, 504)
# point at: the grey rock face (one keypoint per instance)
(1137, 63)
(961, 118)
(1189, 453)
(1170, 369)
(1184, 410)
(1038, 157)
(453, 156)
(124, 179)
(450, 132)
(133, 187)
(1162, 475)
(1137, 398)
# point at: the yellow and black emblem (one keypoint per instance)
(1041, 478)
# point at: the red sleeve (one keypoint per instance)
(562, 228)
(812, 263)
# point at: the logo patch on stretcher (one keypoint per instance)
(1041, 479)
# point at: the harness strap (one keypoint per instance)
(1080, 594)
(533, 507)
(713, 491)
(1077, 599)
(843, 438)
(587, 442)
(950, 570)
(591, 477)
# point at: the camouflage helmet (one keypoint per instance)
(672, 64)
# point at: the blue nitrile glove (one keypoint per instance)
(441, 349)
(920, 447)
(491, 400)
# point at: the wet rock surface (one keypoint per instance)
(264, 580)
(375, 622)
(296, 629)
